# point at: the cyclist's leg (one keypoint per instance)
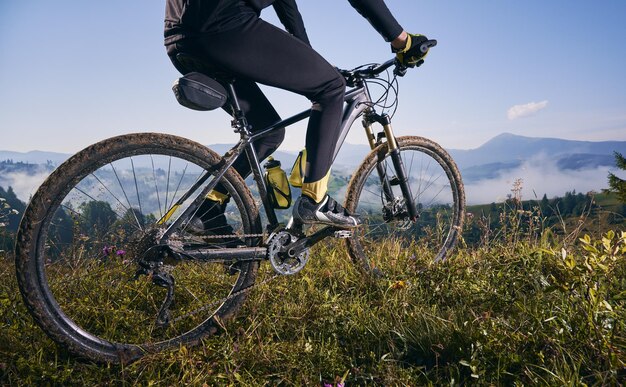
(262, 53)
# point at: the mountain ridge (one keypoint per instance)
(508, 147)
(502, 152)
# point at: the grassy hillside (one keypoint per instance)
(568, 217)
(526, 311)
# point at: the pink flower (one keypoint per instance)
(120, 252)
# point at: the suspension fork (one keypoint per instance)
(394, 152)
(380, 168)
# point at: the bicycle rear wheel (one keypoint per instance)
(387, 231)
(92, 224)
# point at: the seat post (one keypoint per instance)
(239, 122)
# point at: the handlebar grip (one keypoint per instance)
(427, 45)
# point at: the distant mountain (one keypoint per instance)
(507, 152)
(34, 157)
(509, 147)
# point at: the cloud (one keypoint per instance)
(525, 110)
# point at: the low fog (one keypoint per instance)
(24, 185)
(539, 176)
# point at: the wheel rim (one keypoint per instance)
(87, 254)
(390, 242)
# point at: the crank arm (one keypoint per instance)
(296, 247)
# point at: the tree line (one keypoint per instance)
(533, 216)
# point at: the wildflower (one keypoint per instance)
(398, 285)
(120, 252)
(106, 250)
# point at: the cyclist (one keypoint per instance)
(229, 36)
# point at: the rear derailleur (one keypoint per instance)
(156, 261)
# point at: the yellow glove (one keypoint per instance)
(413, 53)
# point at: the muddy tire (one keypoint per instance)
(437, 190)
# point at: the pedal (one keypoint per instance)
(343, 234)
(405, 225)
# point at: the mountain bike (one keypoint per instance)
(109, 268)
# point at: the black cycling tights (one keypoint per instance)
(260, 52)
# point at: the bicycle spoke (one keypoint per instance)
(107, 188)
(156, 188)
(125, 195)
(132, 163)
(167, 185)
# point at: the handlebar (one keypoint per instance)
(352, 76)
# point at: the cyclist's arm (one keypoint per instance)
(289, 16)
(379, 16)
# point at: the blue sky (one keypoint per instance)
(74, 72)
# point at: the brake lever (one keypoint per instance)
(400, 70)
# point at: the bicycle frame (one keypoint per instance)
(358, 103)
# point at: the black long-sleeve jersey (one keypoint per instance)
(189, 18)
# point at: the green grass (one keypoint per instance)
(503, 314)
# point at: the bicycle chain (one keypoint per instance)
(232, 236)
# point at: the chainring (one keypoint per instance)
(280, 259)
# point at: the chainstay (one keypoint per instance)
(223, 300)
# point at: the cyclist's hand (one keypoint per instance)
(411, 55)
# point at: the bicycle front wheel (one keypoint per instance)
(90, 264)
(374, 193)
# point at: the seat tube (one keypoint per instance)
(240, 124)
(253, 158)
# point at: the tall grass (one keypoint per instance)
(516, 310)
